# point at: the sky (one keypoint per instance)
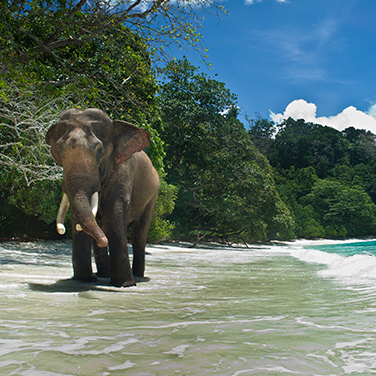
(309, 59)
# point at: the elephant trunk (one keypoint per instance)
(94, 201)
(85, 213)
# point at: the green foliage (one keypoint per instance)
(226, 188)
(325, 177)
(302, 144)
(161, 226)
(342, 210)
(56, 54)
(48, 65)
(262, 132)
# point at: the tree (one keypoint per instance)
(302, 144)
(262, 133)
(226, 188)
(26, 166)
(324, 176)
(42, 27)
(341, 210)
(59, 54)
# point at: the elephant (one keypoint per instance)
(105, 172)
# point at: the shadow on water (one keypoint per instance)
(71, 285)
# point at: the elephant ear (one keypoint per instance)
(129, 139)
(51, 139)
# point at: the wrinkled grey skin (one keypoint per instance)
(105, 156)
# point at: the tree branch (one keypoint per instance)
(75, 9)
(133, 6)
(66, 42)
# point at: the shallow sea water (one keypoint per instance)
(294, 309)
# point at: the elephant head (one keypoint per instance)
(89, 145)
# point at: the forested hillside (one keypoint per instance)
(57, 54)
(325, 177)
(226, 187)
(219, 180)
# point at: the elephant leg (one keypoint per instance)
(102, 262)
(121, 273)
(81, 256)
(140, 231)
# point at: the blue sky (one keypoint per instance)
(309, 58)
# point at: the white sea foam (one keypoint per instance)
(266, 370)
(360, 268)
(120, 367)
(316, 256)
(178, 350)
(307, 242)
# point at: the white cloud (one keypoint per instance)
(349, 117)
(372, 111)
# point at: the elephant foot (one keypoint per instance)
(87, 279)
(128, 283)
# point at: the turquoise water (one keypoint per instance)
(349, 249)
(294, 309)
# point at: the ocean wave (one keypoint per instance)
(359, 267)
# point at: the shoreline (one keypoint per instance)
(211, 245)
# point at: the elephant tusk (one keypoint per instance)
(63, 208)
(94, 202)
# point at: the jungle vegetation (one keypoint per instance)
(57, 54)
(220, 180)
(325, 177)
